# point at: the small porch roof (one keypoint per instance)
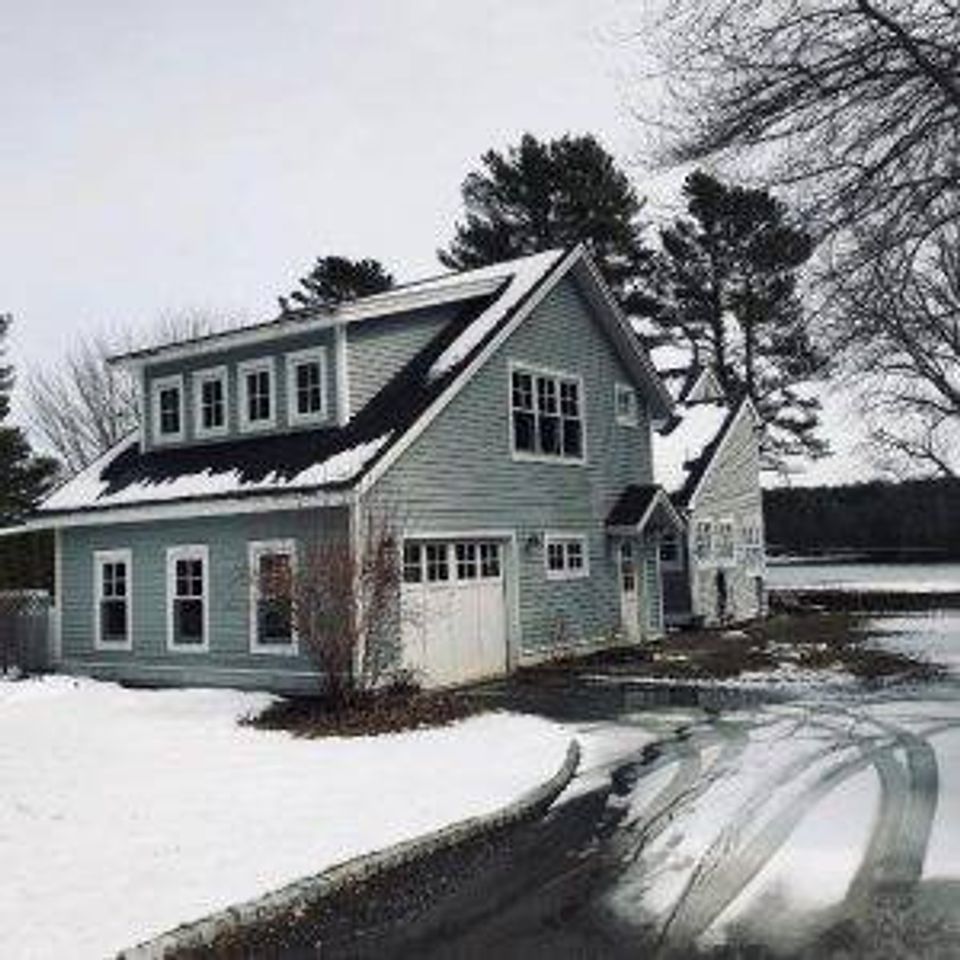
(641, 507)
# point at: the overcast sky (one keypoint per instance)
(163, 156)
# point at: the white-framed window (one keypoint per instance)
(112, 589)
(625, 404)
(188, 598)
(566, 556)
(671, 551)
(273, 570)
(210, 402)
(258, 394)
(725, 548)
(166, 403)
(752, 539)
(440, 563)
(703, 541)
(307, 386)
(546, 415)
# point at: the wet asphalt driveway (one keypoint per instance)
(826, 826)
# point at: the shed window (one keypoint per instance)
(438, 565)
(210, 392)
(703, 541)
(625, 402)
(167, 402)
(726, 543)
(412, 562)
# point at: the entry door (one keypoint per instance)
(629, 591)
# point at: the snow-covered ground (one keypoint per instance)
(124, 813)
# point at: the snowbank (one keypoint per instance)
(125, 813)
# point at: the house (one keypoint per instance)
(708, 458)
(501, 418)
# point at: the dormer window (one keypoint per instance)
(167, 404)
(210, 395)
(257, 394)
(306, 386)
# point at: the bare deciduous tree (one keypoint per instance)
(857, 100)
(81, 407)
(343, 599)
(900, 340)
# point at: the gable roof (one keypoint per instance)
(637, 505)
(684, 450)
(335, 460)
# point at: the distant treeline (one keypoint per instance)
(913, 517)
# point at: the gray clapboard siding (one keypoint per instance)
(377, 349)
(227, 539)
(459, 474)
(730, 489)
(277, 350)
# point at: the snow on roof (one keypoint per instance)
(676, 454)
(521, 276)
(95, 487)
(670, 357)
(328, 457)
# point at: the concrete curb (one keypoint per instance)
(247, 922)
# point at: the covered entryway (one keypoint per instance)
(455, 621)
(636, 523)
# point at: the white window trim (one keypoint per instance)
(255, 550)
(197, 551)
(101, 557)
(200, 377)
(708, 560)
(522, 456)
(632, 420)
(566, 574)
(311, 354)
(156, 386)
(725, 559)
(256, 366)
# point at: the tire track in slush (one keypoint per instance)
(895, 852)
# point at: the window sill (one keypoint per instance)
(520, 457)
(275, 649)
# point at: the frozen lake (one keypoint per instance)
(931, 577)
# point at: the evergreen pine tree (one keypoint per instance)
(726, 284)
(24, 478)
(335, 279)
(540, 195)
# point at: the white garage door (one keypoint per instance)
(454, 610)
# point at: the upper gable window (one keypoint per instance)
(257, 394)
(546, 415)
(307, 386)
(625, 402)
(167, 405)
(210, 397)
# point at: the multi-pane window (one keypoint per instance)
(187, 598)
(256, 394)
(625, 401)
(566, 557)
(112, 586)
(210, 392)
(628, 568)
(306, 386)
(752, 543)
(703, 541)
(273, 571)
(466, 554)
(670, 553)
(546, 414)
(725, 547)
(440, 563)
(167, 401)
